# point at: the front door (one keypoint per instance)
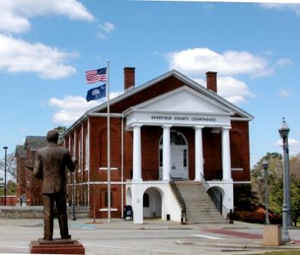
(179, 162)
(179, 157)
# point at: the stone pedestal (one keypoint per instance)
(271, 236)
(57, 246)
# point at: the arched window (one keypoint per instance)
(176, 138)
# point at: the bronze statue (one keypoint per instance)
(50, 166)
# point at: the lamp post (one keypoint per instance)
(284, 132)
(5, 167)
(265, 164)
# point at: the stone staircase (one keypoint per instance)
(196, 204)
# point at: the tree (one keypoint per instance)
(274, 172)
(11, 165)
(61, 130)
(11, 188)
(275, 183)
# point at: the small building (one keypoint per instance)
(28, 187)
(177, 147)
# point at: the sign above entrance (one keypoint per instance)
(177, 119)
(183, 118)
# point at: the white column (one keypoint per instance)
(226, 161)
(199, 172)
(137, 153)
(137, 203)
(166, 152)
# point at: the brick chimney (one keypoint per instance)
(211, 81)
(129, 78)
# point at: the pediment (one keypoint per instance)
(184, 100)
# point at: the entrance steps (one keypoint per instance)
(196, 203)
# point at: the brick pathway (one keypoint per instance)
(235, 233)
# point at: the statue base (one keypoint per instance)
(57, 246)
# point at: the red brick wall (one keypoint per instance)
(212, 153)
(98, 148)
(97, 199)
(239, 143)
(10, 200)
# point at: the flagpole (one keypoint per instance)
(108, 146)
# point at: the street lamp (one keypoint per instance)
(265, 164)
(5, 166)
(284, 132)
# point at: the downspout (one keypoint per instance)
(122, 166)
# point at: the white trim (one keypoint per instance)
(93, 183)
(105, 168)
(132, 109)
(242, 182)
(105, 182)
(151, 123)
(87, 156)
(106, 209)
(237, 169)
(238, 119)
(112, 115)
(122, 166)
(168, 94)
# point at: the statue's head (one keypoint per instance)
(52, 136)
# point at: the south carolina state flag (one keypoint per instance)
(96, 93)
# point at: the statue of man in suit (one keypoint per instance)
(50, 166)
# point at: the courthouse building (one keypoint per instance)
(175, 147)
(28, 187)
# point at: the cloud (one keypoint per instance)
(198, 60)
(70, 108)
(284, 62)
(276, 6)
(105, 29)
(234, 90)
(294, 145)
(284, 93)
(15, 14)
(17, 55)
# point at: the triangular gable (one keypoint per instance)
(237, 112)
(187, 81)
(183, 100)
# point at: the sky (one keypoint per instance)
(46, 47)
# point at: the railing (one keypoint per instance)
(214, 198)
(180, 200)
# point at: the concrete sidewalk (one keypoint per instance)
(153, 237)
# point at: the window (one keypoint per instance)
(106, 199)
(146, 200)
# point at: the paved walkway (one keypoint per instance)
(153, 237)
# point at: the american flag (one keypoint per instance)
(93, 76)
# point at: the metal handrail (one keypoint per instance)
(206, 187)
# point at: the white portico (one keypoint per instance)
(183, 107)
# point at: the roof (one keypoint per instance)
(35, 142)
(186, 80)
(20, 151)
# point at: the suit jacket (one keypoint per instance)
(50, 166)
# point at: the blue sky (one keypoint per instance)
(46, 47)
